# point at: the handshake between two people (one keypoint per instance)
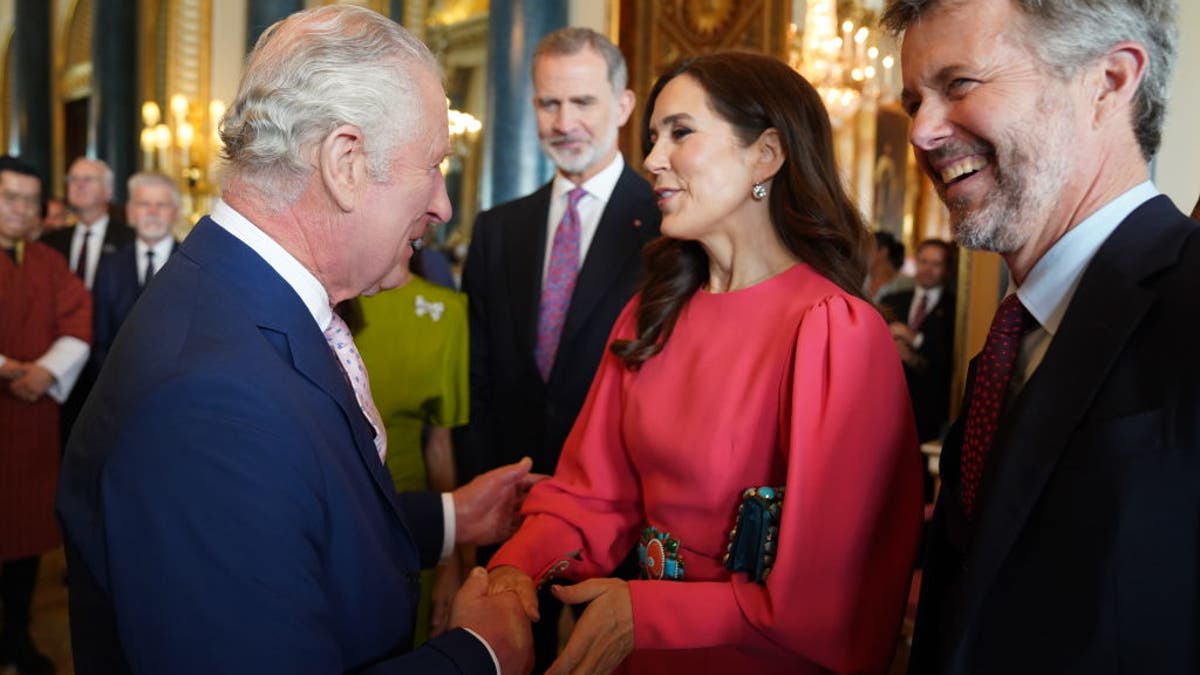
(487, 510)
(500, 606)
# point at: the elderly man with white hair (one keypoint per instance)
(224, 499)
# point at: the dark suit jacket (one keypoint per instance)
(1086, 555)
(222, 502)
(929, 378)
(513, 412)
(116, 235)
(115, 289)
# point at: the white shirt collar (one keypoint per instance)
(311, 292)
(1051, 284)
(162, 248)
(96, 228)
(600, 186)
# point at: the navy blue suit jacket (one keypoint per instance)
(114, 290)
(223, 505)
(1085, 554)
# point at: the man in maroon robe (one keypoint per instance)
(45, 328)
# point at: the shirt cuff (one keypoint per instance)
(491, 652)
(449, 530)
(65, 360)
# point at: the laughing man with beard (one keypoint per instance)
(1065, 535)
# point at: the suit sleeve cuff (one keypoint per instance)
(65, 360)
(490, 651)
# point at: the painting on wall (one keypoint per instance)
(889, 176)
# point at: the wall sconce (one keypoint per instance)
(174, 148)
(464, 129)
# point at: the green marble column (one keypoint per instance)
(114, 113)
(29, 86)
(513, 164)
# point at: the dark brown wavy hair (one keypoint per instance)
(809, 209)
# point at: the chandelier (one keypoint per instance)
(174, 148)
(847, 67)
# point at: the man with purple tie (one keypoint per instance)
(1065, 535)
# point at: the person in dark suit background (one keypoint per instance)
(224, 503)
(922, 323)
(1196, 210)
(89, 196)
(537, 336)
(1064, 537)
(153, 209)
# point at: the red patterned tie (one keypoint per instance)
(918, 316)
(993, 371)
(559, 284)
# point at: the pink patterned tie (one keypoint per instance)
(989, 386)
(559, 284)
(342, 343)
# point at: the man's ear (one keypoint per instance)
(342, 165)
(769, 154)
(1121, 71)
(625, 101)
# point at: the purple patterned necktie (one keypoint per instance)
(342, 343)
(559, 284)
(989, 386)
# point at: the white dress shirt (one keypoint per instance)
(95, 233)
(1051, 284)
(591, 207)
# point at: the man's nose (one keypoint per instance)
(930, 126)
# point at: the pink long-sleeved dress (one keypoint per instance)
(791, 382)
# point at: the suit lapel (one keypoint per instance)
(277, 309)
(1108, 306)
(617, 238)
(524, 255)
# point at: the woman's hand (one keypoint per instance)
(506, 578)
(603, 636)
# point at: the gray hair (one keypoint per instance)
(109, 180)
(309, 74)
(1068, 34)
(572, 39)
(143, 179)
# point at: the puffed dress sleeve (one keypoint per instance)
(851, 517)
(582, 522)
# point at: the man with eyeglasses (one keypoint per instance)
(89, 191)
(45, 327)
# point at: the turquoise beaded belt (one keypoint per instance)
(659, 556)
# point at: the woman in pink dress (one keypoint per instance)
(749, 387)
